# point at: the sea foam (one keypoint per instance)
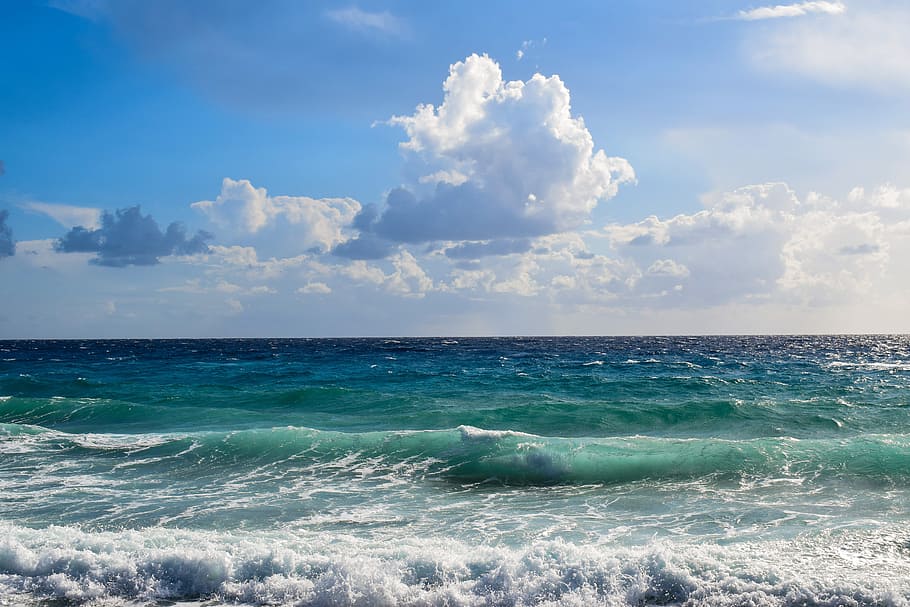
(284, 568)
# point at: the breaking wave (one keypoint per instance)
(476, 455)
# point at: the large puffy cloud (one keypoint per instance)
(127, 237)
(499, 160)
(7, 244)
(245, 209)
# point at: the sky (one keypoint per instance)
(297, 169)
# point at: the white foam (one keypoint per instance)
(281, 567)
(118, 442)
(470, 432)
(871, 366)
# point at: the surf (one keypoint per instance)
(859, 568)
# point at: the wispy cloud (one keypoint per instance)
(357, 19)
(319, 288)
(527, 45)
(520, 53)
(67, 215)
(870, 50)
(799, 9)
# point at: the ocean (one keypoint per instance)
(713, 471)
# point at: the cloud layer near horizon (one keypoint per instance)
(759, 244)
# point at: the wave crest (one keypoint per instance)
(469, 454)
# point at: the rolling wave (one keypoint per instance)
(469, 454)
(619, 411)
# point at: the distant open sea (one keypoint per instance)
(461, 471)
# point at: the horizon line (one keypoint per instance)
(496, 336)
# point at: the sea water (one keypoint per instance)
(460, 471)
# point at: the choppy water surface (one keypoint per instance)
(509, 471)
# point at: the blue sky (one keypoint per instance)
(602, 168)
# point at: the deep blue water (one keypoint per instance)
(461, 471)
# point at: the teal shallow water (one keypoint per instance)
(726, 470)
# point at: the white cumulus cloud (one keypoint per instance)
(314, 288)
(758, 245)
(499, 159)
(763, 242)
(408, 278)
(668, 267)
(317, 222)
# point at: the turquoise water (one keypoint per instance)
(509, 471)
